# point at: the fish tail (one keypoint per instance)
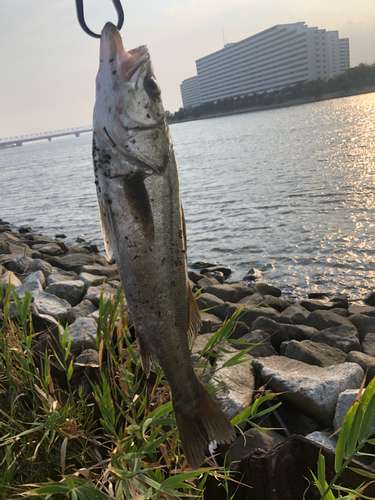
(198, 427)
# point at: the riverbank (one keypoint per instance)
(290, 103)
(313, 353)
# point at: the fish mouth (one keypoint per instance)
(113, 54)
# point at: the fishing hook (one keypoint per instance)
(82, 22)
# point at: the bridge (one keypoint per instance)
(19, 140)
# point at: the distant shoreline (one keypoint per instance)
(294, 102)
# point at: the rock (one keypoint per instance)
(81, 310)
(260, 343)
(344, 403)
(324, 438)
(210, 323)
(368, 344)
(364, 324)
(74, 248)
(312, 353)
(341, 301)
(296, 313)
(366, 310)
(58, 275)
(277, 303)
(254, 300)
(33, 283)
(90, 280)
(340, 337)
(242, 291)
(206, 282)
(11, 245)
(223, 292)
(311, 389)
(60, 235)
(83, 334)
(7, 277)
(253, 275)
(219, 277)
(52, 306)
(74, 261)
(220, 269)
(24, 229)
(251, 314)
(71, 290)
(370, 299)
(322, 320)
(93, 293)
(194, 277)
(366, 362)
(239, 330)
(24, 264)
(86, 367)
(110, 270)
(48, 249)
(201, 264)
(236, 384)
(211, 302)
(314, 305)
(267, 289)
(250, 441)
(296, 332)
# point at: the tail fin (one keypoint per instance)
(200, 426)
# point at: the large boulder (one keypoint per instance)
(340, 337)
(364, 324)
(71, 290)
(312, 353)
(321, 320)
(52, 306)
(366, 362)
(296, 313)
(311, 389)
(9, 277)
(83, 334)
(81, 310)
(27, 265)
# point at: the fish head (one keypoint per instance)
(129, 115)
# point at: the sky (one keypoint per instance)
(48, 64)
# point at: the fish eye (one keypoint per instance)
(152, 87)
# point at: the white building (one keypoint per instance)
(190, 92)
(270, 60)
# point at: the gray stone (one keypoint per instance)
(242, 291)
(93, 293)
(296, 313)
(278, 303)
(90, 279)
(296, 332)
(366, 362)
(324, 438)
(254, 300)
(58, 275)
(314, 305)
(341, 337)
(366, 310)
(251, 314)
(72, 290)
(10, 244)
(48, 248)
(236, 384)
(251, 440)
(311, 389)
(260, 343)
(240, 329)
(81, 310)
(211, 302)
(364, 324)
(321, 320)
(110, 270)
(33, 283)
(26, 265)
(223, 292)
(7, 277)
(312, 353)
(52, 306)
(210, 323)
(83, 334)
(368, 344)
(344, 403)
(370, 299)
(206, 282)
(267, 289)
(74, 261)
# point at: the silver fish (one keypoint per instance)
(144, 230)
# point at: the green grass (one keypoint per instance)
(116, 440)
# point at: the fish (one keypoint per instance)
(144, 230)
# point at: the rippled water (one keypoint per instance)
(290, 192)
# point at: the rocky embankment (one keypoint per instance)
(313, 353)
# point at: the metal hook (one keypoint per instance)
(82, 22)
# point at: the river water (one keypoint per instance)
(289, 192)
